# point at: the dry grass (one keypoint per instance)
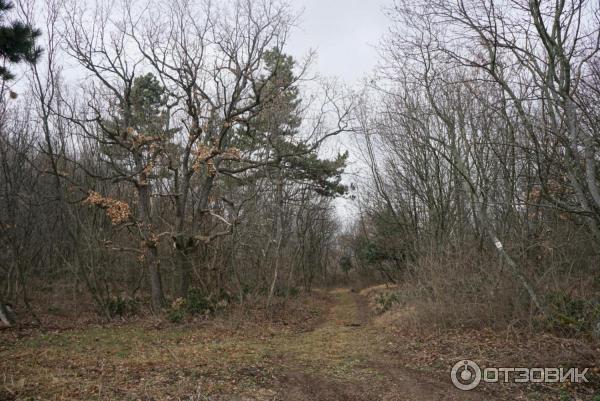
(327, 346)
(436, 351)
(150, 359)
(434, 348)
(468, 288)
(335, 354)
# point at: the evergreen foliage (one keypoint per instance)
(17, 41)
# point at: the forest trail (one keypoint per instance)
(339, 355)
(345, 359)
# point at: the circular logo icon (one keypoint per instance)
(465, 375)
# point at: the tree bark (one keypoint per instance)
(157, 297)
(7, 317)
(183, 265)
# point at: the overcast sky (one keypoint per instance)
(343, 32)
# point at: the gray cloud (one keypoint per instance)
(344, 33)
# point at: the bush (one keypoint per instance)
(118, 306)
(386, 300)
(177, 310)
(446, 288)
(197, 303)
(572, 313)
(287, 291)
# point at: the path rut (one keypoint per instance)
(345, 359)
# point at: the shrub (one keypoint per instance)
(177, 310)
(197, 303)
(118, 306)
(573, 313)
(287, 291)
(386, 300)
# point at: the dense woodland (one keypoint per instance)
(183, 157)
(481, 135)
(173, 154)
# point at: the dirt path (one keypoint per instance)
(345, 356)
(345, 359)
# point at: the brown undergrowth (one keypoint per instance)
(435, 349)
(328, 345)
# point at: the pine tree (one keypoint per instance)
(132, 141)
(278, 128)
(139, 126)
(17, 41)
(148, 101)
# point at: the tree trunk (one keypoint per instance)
(157, 300)
(151, 255)
(278, 235)
(275, 274)
(183, 267)
(7, 317)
